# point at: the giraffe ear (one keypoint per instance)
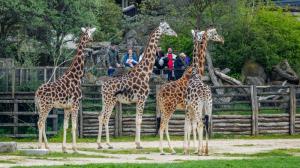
(193, 32)
(83, 29)
(93, 30)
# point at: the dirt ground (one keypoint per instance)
(218, 150)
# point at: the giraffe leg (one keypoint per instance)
(104, 119)
(66, 125)
(173, 152)
(206, 142)
(185, 145)
(41, 125)
(194, 125)
(200, 134)
(107, 133)
(45, 138)
(161, 137)
(100, 119)
(74, 127)
(140, 107)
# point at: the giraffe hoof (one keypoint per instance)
(110, 147)
(173, 153)
(139, 147)
(162, 153)
(100, 147)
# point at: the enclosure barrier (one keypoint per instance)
(242, 110)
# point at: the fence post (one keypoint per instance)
(254, 105)
(80, 120)
(13, 82)
(45, 74)
(15, 114)
(292, 109)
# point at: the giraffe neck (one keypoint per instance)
(76, 68)
(199, 54)
(148, 60)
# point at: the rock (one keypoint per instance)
(258, 81)
(35, 151)
(254, 73)
(7, 147)
(283, 71)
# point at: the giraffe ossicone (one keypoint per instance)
(132, 87)
(64, 93)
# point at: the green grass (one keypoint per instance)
(58, 138)
(53, 155)
(130, 151)
(143, 158)
(270, 162)
(7, 161)
(273, 153)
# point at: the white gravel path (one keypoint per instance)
(217, 148)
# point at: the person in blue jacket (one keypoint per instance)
(130, 59)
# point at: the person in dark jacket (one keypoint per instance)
(160, 61)
(179, 66)
(113, 61)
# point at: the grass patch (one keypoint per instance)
(244, 145)
(272, 153)
(7, 161)
(143, 158)
(58, 138)
(53, 155)
(271, 162)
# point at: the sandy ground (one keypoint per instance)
(217, 149)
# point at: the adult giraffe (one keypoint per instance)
(198, 95)
(132, 87)
(171, 97)
(64, 93)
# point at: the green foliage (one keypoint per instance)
(29, 86)
(266, 36)
(108, 16)
(182, 43)
(33, 31)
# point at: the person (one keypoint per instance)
(185, 59)
(171, 58)
(113, 60)
(179, 66)
(160, 61)
(130, 59)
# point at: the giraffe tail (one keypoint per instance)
(158, 115)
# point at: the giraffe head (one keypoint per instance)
(212, 35)
(88, 32)
(165, 28)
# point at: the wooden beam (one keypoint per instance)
(293, 108)
(254, 103)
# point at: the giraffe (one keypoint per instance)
(171, 97)
(198, 95)
(132, 87)
(64, 93)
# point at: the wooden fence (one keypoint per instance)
(245, 110)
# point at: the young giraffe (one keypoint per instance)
(132, 87)
(199, 97)
(64, 93)
(171, 97)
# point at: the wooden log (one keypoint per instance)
(232, 121)
(233, 133)
(231, 117)
(254, 104)
(275, 124)
(232, 129)
(227, 78)
(231, 125)
(275, 128)
(273, 120)
(274, 131)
